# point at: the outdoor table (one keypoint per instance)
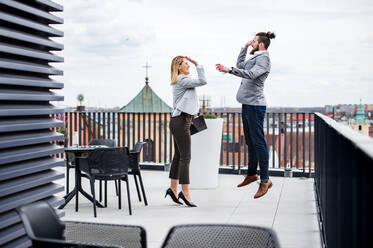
(78, 151)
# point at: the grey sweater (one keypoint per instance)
(184, 93)
(253, 72)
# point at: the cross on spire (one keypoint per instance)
(147, 67)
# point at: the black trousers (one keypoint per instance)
(180, 129)
(253, 121)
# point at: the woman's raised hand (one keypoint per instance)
(191, 61)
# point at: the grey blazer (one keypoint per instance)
(253, 72)
(184, 93)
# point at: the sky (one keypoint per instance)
(322, 53)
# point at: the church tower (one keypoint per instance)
(146, 101)
(360, 124)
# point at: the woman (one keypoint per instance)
(185, 103)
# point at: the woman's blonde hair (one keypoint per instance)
(175, 64)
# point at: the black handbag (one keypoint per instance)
(198, 125)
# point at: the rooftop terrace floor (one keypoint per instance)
(289, 208)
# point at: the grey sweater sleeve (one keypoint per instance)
(241, 58)
(261, 66)
(187, 82)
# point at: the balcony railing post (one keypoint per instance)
(113, 126)
(118, 128)
(128, 127)
(99, 126)
(285, 141)
(85, 127)
(149, 138)
(273, 139)
(309, 145)
(104, 125)
(239, 143)
(139, 127)
(165, 137)
(123, 128)
(80, 127)
(297, 137)
(154, 138)
(222, 144)
(304, 142)
(143, 133)
(234, 141)
(159, 137)
(279, 138)
(227, 140)
(108, 125)
(291, 141)
(133, 116)
(70, 116)
(75, 124)
(89, 118)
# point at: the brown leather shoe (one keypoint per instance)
(248, 180)
(263, 188)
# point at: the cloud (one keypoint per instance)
(321, 55)
(111, 28)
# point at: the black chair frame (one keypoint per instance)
(96, 167)
(135, 169)
(225, 235)
(45, 229)
(109, 143)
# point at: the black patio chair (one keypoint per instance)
(45, 229)
(220, 236)
(104, 142)
(69, 164)
(70, 161)
(109, 143)
(135, 169)
(107, 164)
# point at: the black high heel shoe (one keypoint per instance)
(173, 196)
(188, 203)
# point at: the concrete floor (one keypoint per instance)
(289, 208)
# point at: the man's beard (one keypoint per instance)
(254, 50)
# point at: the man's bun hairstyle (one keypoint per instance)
(270, 35)
(265, 38)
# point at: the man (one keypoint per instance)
(254, 73)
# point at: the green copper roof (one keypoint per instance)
(146, 102)
(360, 114)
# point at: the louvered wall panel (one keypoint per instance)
(27, 127)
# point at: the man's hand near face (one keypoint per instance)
(249, 43)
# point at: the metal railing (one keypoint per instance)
(344, 165)
(289, 137)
